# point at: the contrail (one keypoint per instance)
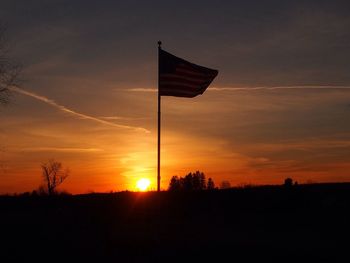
(72, 112)
(276, 88)
(251, 88)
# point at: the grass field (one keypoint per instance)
(306, 222)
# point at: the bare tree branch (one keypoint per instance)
(54, 175)
(9, 70)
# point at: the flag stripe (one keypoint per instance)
(182, 88)
(174, 83)
(179, 91)
(196, 70)
(177, 77)
(190, 73)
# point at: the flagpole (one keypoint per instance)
(159, 118)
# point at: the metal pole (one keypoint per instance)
(159, 118)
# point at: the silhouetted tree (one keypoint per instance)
(288, 182)
(54, 174)
(175, 184)
(211, 185)
(188, 182)
(198, 181)
(191, 182)
(225, 185)
(203, 183)
(9, 71)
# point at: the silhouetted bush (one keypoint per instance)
(225, 185)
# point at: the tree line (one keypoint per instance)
(191, 182)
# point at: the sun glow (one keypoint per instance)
(143, 184)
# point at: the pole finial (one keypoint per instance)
(159, 43)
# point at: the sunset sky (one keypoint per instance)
(280, 106)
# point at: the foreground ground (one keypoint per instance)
(307, 222)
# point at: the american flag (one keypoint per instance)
(180, 78)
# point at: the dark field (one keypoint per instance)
(306, 222)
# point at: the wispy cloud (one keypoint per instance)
(72, 112)
(111, 118)
(60, 149)
(276, 88)
(310, 145)
(142, 90)
(120, 118)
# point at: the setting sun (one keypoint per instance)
(143, 184)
